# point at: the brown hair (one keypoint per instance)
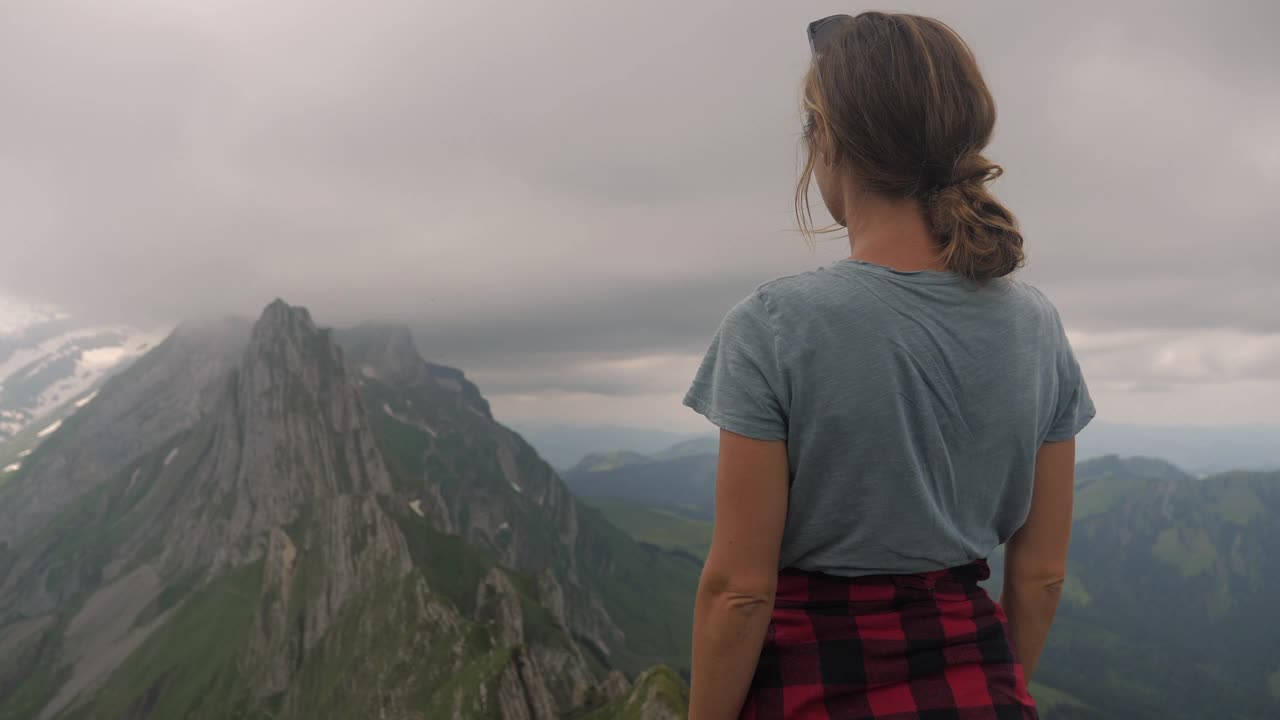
(901, 104)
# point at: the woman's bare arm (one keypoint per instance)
(1036, 556)
(735, 596)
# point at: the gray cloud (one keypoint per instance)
(547, 186)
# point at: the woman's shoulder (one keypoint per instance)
(798, 292)
(777, 304)
(1034, 297)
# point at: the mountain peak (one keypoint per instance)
(1137, 467)
(299, 413)
(282, 318)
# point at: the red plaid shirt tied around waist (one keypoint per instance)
(929, 646)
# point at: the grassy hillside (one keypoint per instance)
(1168, 610)
(658, 694)
(657, 526)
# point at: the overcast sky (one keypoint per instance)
(564, 198)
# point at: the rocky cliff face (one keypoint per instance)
(470, 475)
(289, 438)
(259, 522)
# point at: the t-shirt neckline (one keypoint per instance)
(921, 276)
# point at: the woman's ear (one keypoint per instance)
(819, 140)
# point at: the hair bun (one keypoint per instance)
(979, 236)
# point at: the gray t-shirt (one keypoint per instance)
(912, 405)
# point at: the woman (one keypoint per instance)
(889, 420)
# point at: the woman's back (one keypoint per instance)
(912, 404)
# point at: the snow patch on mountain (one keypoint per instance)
(51, 429)
(386, 408)
(90, 366)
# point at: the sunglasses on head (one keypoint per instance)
(821, 31)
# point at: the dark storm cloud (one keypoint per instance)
(568, 183)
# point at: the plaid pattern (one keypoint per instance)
(931, 646)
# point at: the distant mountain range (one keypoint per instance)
(565, 445)
(681, 478)
(277, 520)
(1198, 449)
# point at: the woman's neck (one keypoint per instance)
(892, 233)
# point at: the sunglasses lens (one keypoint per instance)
(820, 31)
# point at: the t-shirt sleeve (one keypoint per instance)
(1075, 408)
(740, 385)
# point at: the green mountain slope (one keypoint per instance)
(629, 604)
(667, 529)
(658, 694)
(1168, 609)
